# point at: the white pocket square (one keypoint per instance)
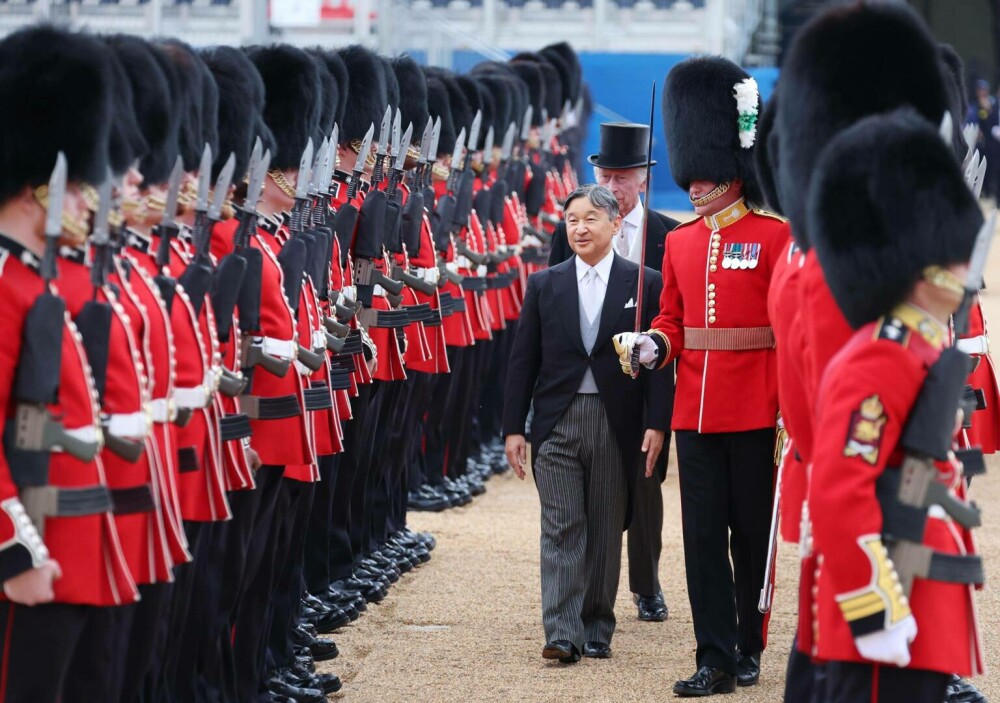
(630, 303)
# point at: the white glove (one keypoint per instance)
(891, 646)
(643, 342)
(995, 131)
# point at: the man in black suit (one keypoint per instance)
(587, 433)
(621, 167)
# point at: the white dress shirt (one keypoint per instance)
(593, 286)
(629, 232)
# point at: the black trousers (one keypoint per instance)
(384, 461)
(804, 679)
(319, 533)
(145, 643)
(38, 648)
(341, 555)
(364, 482)
(409, 436)
(726, 491)
(435, 450)
(181, 596)
(645, 536)
(98, 667)
(251, 621)
(849, 682)
(294, 506)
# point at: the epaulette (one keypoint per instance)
(769, 214)
(892, 329)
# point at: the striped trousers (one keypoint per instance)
(583, 491)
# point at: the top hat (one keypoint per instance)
(623, 145)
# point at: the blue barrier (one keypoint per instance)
(620, 84)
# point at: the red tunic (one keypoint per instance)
(696, 296)
(865, 398)
(94, 570)
(985, 430)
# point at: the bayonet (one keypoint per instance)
(204, 179)
(974, 278)
(404, 148)
(359, 164)
(425, 143)
(255, 180)
(473, 143)
(397, 127)
(305, 169)
(977, 188)
(507, 147)
(222, 184)
(99, 232)
(456, 158)
(488, 150)
(435, 140)
(331, 159)
(384, 137)
(53, 217)
(529, 113)
(316, 175)
(173, 192)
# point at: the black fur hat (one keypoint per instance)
(234, 76)
(501, 89)
(330, 104)
(766, 155)
(291, 100)
(705, 102)
(127, 143)
(209, 111)
(151, 103)
(335, 66)
(366, 98)
(56, 91)
(570, 70)
(412, 94)
(188, 98)
(479, 99)
(461, 112)
(439, 105)
(553, 99)
(531, 76)
(391, 86)
(953, 70)
(848, 62)
(888, 200)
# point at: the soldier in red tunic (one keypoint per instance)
(891, 594)
(61, 563)
(714, 319)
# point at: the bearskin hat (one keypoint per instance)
(209, 109)
(710, 108)
(564, 58)
(531, 76)
(56, 90)
(953, 70)
(292, 100)
(335, 66)
(887, 200)
(439, 107)
(849, 62)
(234, 76)
(188, 99)
(366, 98)
(413, 94)
(330, 103)
(766, 155)
(127, 143)
(151, 103)
(552, 100)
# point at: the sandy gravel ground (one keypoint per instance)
(467, 625)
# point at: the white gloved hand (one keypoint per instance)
(643, 342)
(891, 646)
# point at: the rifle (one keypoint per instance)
(642, 230)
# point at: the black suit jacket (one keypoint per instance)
(548, 359)
(657, 227)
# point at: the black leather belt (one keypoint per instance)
(474, 283)
(433, 319)
(391, 319)
(352, 343)
(234, 427)
(257, 408)
(138, 499)
(318, 397)
(446, 305)
(458, 304)
(344, 363)
(972, 460)
(340, 379)
(534, 255)
(187, 460)
(51, 501)
(419, 313)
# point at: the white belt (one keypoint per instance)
(463, 262)
(974, 345)
(319, 339)
(197, 397)
(936, 511)
(162, 410)
(481, 270)
(87, 433)
(131, 425)
(452, 266)
(431, 274)
(302, 369)
(281, 348)
(378, 290)
(348, 292)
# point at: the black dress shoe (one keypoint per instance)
(748, 670)
(707, 681)
(279, 687)
(961, 691)
(327, 683)
(597, 650)
(652, 608)
(563, 650)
